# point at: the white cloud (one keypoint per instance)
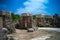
(33, 6)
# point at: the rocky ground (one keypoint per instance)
(55, 36)
(24, 35)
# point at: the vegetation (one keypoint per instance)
(56, 20)
(15, 17)
(34, 16)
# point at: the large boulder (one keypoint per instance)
(3, 33)
(11, 28)
(11, 37)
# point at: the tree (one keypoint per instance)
(12, 14)
(34, 16)
(15, 17)
(56, 20)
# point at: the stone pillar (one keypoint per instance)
(1, 22)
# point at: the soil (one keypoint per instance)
(24, 35)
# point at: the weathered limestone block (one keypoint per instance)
(11, 37)
(3, 33)
(11, 28)
(5, 36)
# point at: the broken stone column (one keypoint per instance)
(1, 33)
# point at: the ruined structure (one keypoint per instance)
(39, 20)
(48, 20)
(5, 18)
(26, 20)
(43, 20)
(6, 24)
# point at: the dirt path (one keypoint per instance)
(24, 35)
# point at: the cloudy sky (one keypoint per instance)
(48, 7)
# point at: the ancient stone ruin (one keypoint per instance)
(26, 21)
(43, 20)
(6, 25)
(40, 20)
(5, 18)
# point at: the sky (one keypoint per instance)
(45, 7)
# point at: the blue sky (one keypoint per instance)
(48, 7)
